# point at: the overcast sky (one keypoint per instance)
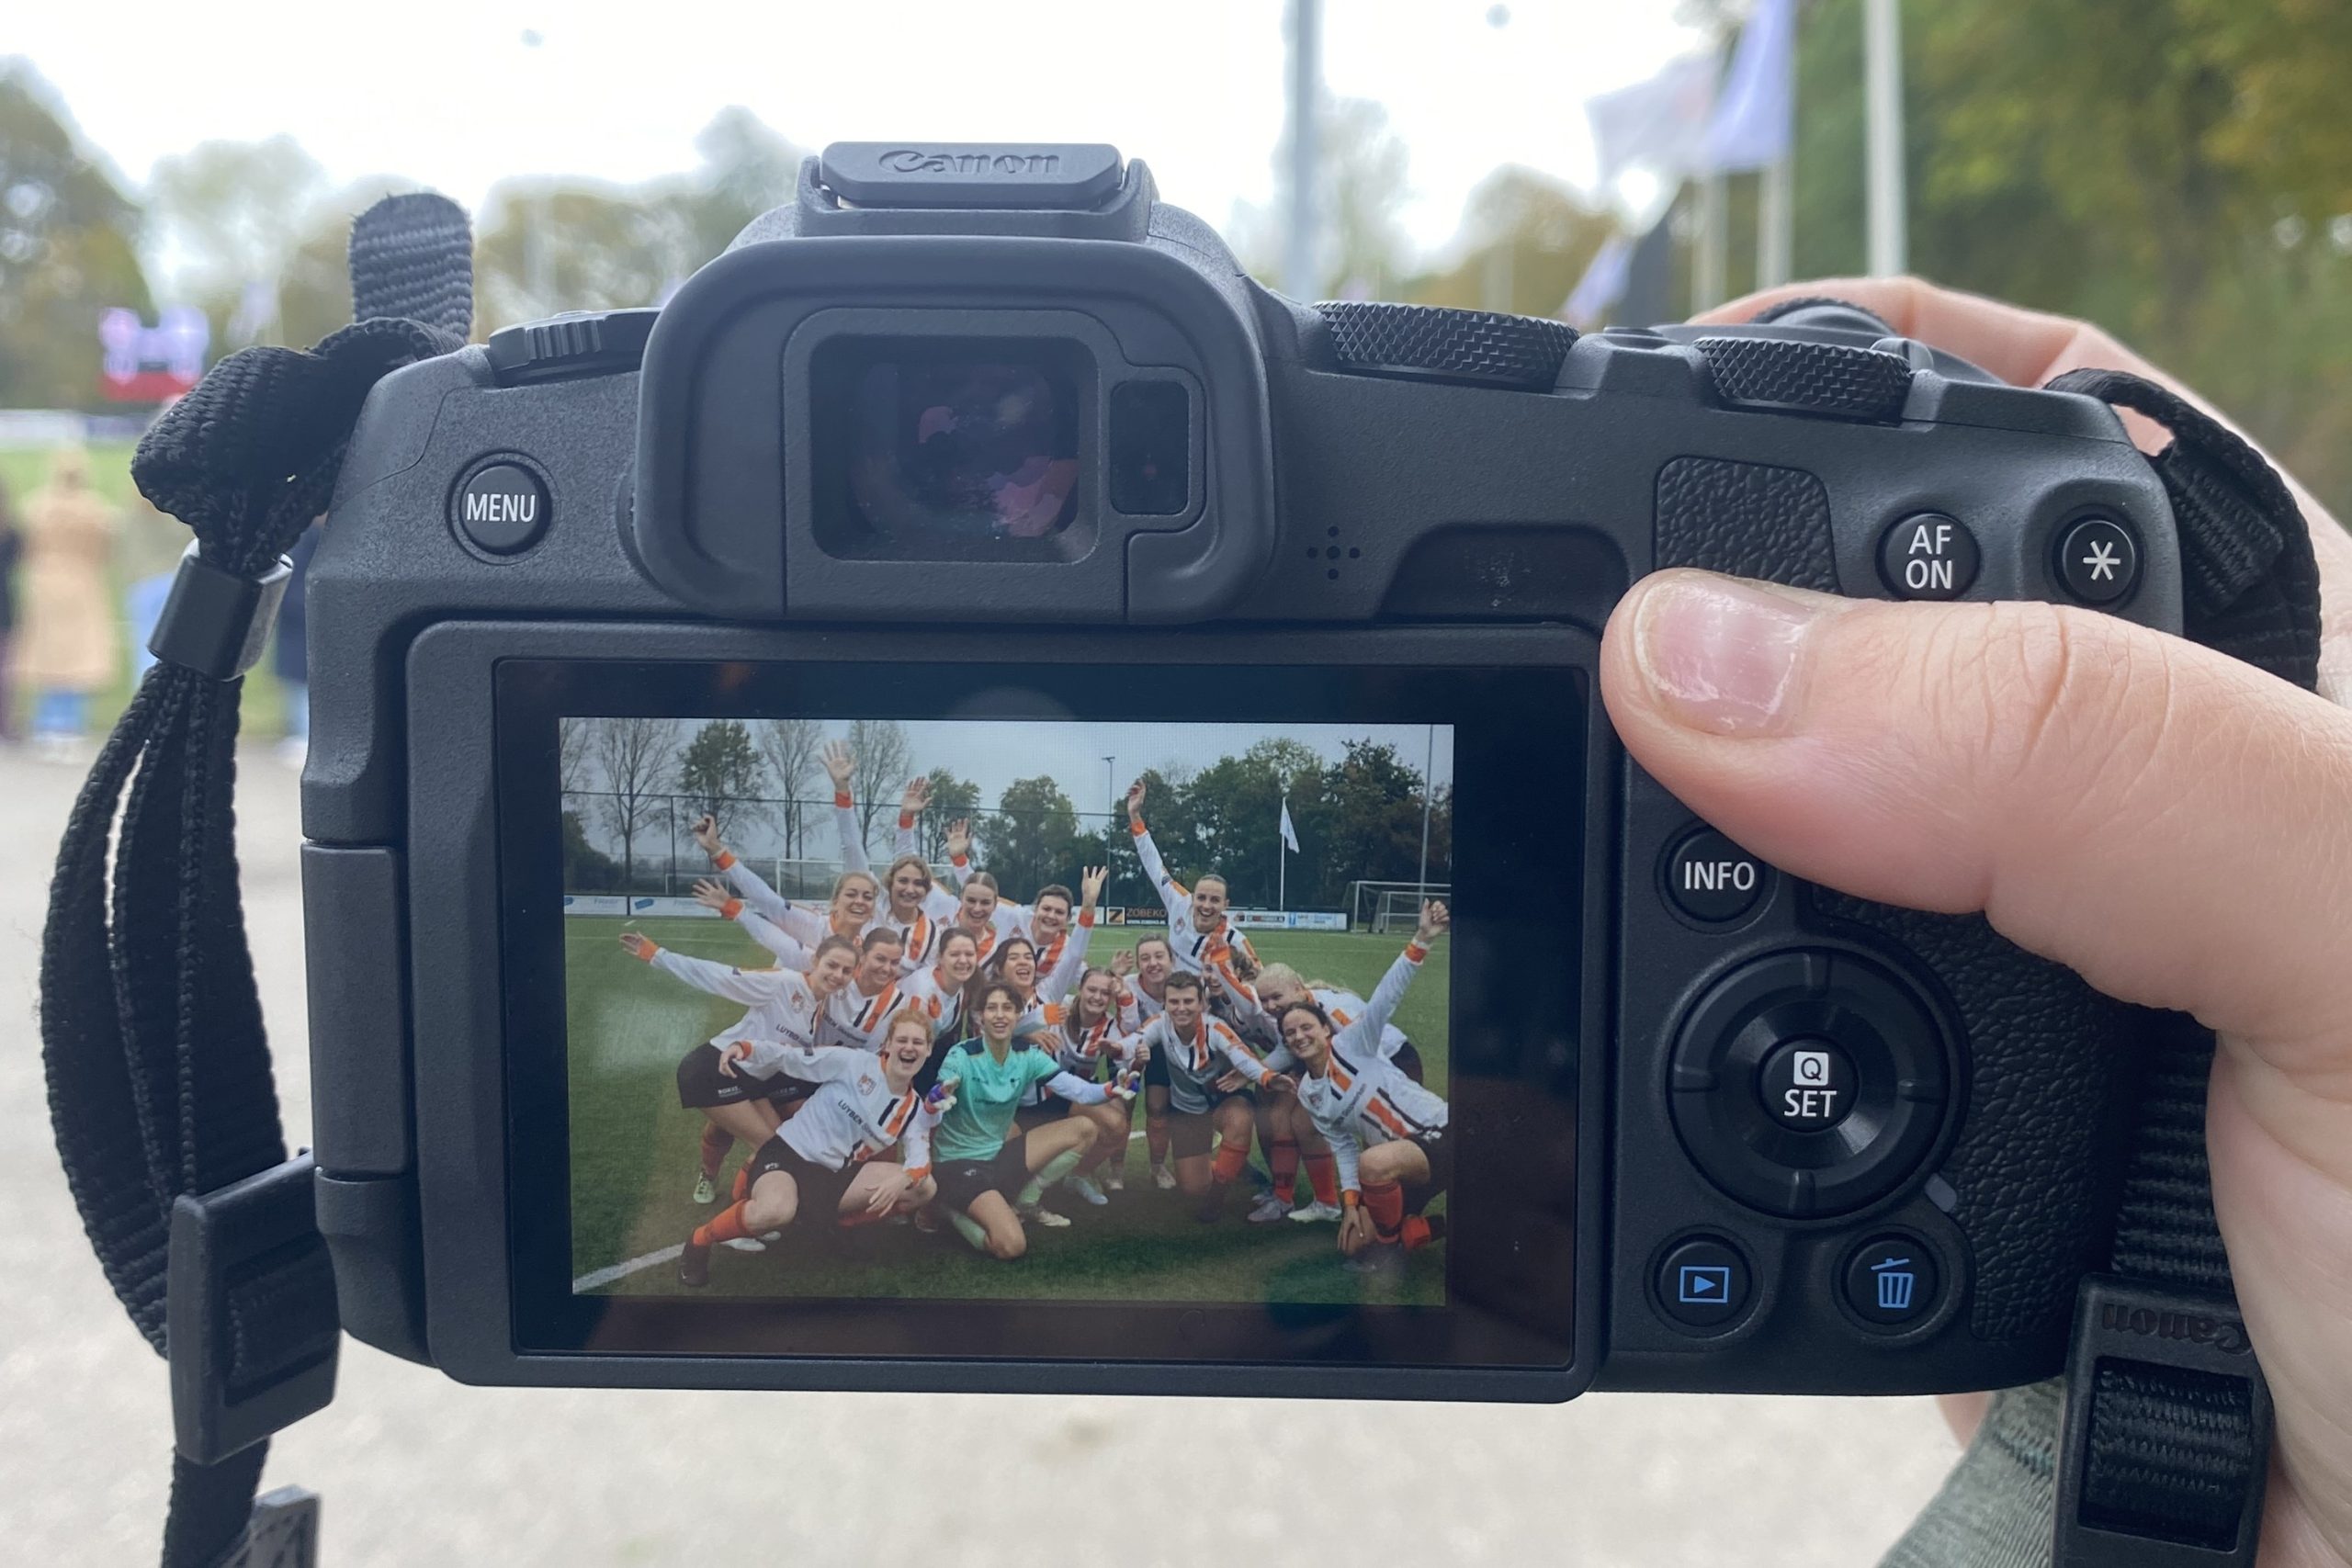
(446, 92)
(993, 754)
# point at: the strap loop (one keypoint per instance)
(217, 622)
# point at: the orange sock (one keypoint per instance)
(1418, 1234)
(1230, 1159)
(716, 1141)
(1282, 1158)
(742, 1184)
(1323, 1175)
(724, 1226)
(1154, 1136)
(1386, 1199)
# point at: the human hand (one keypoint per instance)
(1355, 1229)
(705, 833)
(2026, 760)
(1435, 918)
(915, 797)
(841, 765)
(886, 1193)
(959, 838)
(1135, 801)
(636, 945)
(1091, 883)
(712, 894)
(1123, 962)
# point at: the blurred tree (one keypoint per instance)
(791, 746)
(885, 761)
(563, 244)
(2170, 169)
(1365, 165)
(1528, 240)
(721, 770)
(68, 238)
(230, 215)
(1033, 838)
(629, 753)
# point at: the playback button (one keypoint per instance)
(1702, 1282)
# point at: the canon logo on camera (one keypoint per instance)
(914, 161)
(2224, 1334)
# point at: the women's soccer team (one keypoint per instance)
(950, 1055)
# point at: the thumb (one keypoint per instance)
(2169, 822)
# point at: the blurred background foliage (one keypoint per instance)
(2178, 171)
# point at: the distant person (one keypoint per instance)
(11, 546)
(291, 660)
(147, 549)
(69, 633)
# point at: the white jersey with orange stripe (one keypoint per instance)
(785, 1009)
(854, 1114)
(922, 930)
(1363, 1097)
(854, 1018)
(1240, 1004)
(1190, 944)
(1196, 1064)
(807, 927)
(946, 999)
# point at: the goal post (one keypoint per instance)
(1394, 905)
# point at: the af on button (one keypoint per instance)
(1712, 880)
(1929, 555)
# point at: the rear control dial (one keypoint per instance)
(1810, 1083)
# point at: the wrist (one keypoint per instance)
(842, 802)
(723, 859)
(732, 908)
(906, 819)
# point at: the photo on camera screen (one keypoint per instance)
(1008, 1009)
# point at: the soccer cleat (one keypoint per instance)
(1316, 1213)
(1114, 1180)
(1033, 1215)
(704, 1191)
(926, 1221)
(1163, 1177)
(744, 1244)
(1212, 1205)
(1267, 1210)
(1086, 1191)
(694, 1263)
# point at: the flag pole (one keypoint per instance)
(1282, 859)
(1429, 766)
(1883, 82)
(1304, 83)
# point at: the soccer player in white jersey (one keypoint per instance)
(822, 1163)
(1387, 1132)
(849, 911)
(1152, 962)
(944, 988)
(1197, 1052)
(1198, 919)
(727, 1078)
(1087, 1036)
(876, 994)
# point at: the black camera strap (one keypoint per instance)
(159, 1074)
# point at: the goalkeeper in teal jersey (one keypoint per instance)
(987, 1186)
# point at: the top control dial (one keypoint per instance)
(1432, 342)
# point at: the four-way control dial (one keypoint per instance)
(1433, 344)
(1810, 1083)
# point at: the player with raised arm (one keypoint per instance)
(822, 1162)
(790, 952)
(986, 1185)
(1197, 917)
(1152, 962)
(730, 1078)
(849, 910)
(1198, 1052)
(1387, 1132)
(1284, 1129)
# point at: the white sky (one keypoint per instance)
(444, 91)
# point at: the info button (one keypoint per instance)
(1711, 879)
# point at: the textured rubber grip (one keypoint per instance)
(1808, 377)
(1430, 341)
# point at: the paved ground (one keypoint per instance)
(419, 1470)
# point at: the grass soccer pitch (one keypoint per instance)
(634, 1159)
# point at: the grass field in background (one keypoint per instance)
(23, 472)
(634, 1152)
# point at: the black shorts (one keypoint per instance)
(702, 1083)
(1409, 1061)
(1155, 1071)
(962, 1181)
(1439, 1148)
(821, 1189)
(1192, 1133)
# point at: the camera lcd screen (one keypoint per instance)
(1172, 1013)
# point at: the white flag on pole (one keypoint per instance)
(1290, 833)
(1755, 111)
(1659, 125)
